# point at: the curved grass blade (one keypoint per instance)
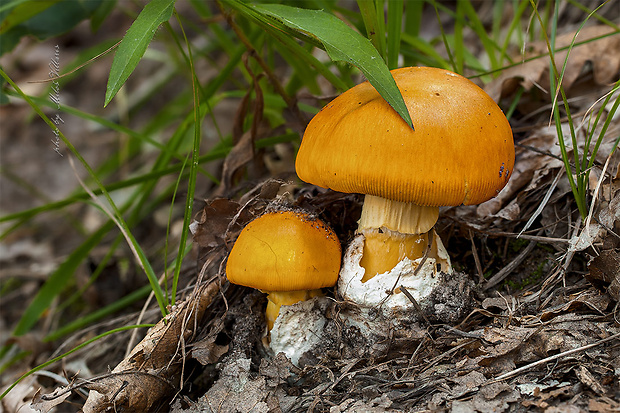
(342, 43)
(191, 187)
(135, 42)
(55, 359)
(57, 281)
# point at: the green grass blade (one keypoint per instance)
(490, 46)
(555, 83)
(57, 281)
(135, 43)
(97, 315)
(368, 10)
(514, 25)
(116, 214)
(413, 22)
(55, 359)
(23, 12)
(423, 47)
(594, 14)
(394, 28)
(342, 43)
(191, 187)
(610, 115)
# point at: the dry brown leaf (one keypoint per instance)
(378, 405)
(590, 298)
(152, 370)
(234, 392)
(603, 54)
(605, 270)
(243, 150)
(17, 400)
(603, 405)
(215, 222)
(502, 396)
(130, 391)
(206, 351)
(588, 379)
(468, 383)
(46, 402)
(278, 370)
(505, 340)
(564, 408)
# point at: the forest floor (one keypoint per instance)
(542, 334)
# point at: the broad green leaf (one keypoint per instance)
(342, 43)
(135, 42)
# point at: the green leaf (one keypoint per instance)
(135, 42)
(4, 99)
(23, 12)
(41, 19)
(342, 43)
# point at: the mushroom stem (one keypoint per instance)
(403, 217)
(277, 299)
(394, 231)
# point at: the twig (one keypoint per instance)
(504, 272)
(554, 357)
(415, 304)
(474, 251)
(543, 203)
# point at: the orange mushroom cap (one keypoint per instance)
(461, 151)
(285, 251)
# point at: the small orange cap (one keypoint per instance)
(461, 151)
(285, 251)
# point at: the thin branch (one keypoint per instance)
(554, 357)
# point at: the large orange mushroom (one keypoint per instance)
(460, 153)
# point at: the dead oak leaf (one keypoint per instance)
(207, 351)
(17, 399)
(130, 391)
(589, 299)
(604, 405)
(152, 371)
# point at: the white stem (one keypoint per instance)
(402, 217)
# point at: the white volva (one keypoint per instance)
(375, 292)
(298, 329)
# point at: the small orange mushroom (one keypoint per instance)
(289, 255)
